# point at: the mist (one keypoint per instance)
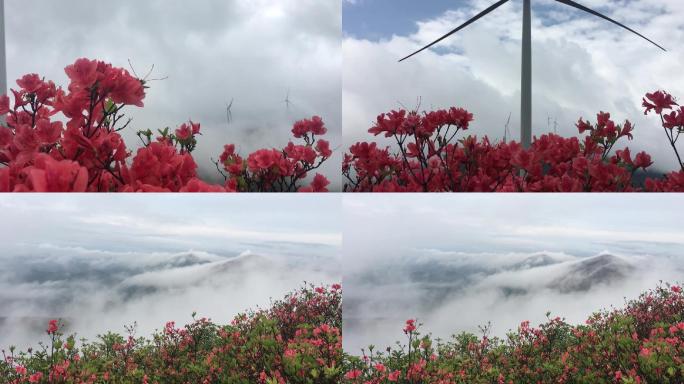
(83, 260)
(458, 263)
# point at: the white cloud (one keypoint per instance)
(216, 230)
(383, 226)
(212, 222)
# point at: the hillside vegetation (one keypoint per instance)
(295, 340)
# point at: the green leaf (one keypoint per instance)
(671, 371)
(110, 106)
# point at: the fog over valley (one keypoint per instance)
(457, 292)
(105, 276)
(458, 264)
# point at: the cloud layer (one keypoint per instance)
(457, 262)
(455, 292)
(103, 262)
(581, 65)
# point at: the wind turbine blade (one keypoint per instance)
(467, 23)
(588, 10)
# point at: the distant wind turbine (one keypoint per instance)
(229, 113)
(526, 78)
(287, 99)
(507, 132)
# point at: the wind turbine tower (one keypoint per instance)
(3, 58)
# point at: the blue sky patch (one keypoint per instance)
(380, 19)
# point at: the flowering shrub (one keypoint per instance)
(429, 156)
(296, 340)
(640, 343)
(58, 140)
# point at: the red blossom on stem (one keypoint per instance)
(428, 155)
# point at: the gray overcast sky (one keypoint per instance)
(212, 51)
(581, 64)
(377, 226)
(174, 222)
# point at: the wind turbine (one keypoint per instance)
(526, 78)
(3, 59)
(287, 100)
(229, 114)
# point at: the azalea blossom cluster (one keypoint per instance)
(296, 340)
(640, 343)
(269, 170)
(64, 140)
(429, 155)
(673, 125)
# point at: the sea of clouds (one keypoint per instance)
(93, 291)
(451, 292)
(101, 263)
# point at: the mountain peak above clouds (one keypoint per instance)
(189, 258)
(183, 275)
(245, 260)
(541, 259)
(604, 268)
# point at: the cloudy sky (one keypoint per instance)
(457, 262)
(581, 64)
(101, 263)
(213, 51)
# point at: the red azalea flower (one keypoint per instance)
(52, 327)
(658, 101)
(184, 132)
